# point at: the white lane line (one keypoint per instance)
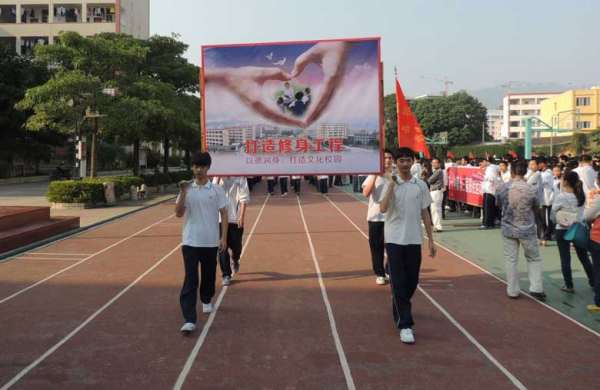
(56, 346)
(192, 356)
(518, 384)
(8, 298)
(334, 332)
(56, 254)
(46, 258)
(547, 306)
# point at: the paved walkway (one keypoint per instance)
(34, 194)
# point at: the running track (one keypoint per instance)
(100, 310)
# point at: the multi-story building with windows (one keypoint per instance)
(517, 107)
(333, 130)
(27, 23)
(577, 109)
(494, 123)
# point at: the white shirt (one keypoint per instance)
(416, 170)
(237, 192)
(374, 214)
(587, 175)
(547, 186)
(490, 179)
(506, 176)
(201, 218)
(403, 217)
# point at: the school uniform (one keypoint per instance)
(296, 181)
(270, 184)
(375, 220)
(237, 193)
(200, 242)
(403, 239)
(283, 184)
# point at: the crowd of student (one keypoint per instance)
(534, 202)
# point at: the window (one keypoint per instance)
(514, 101)
(67, 13)
(515, 124)
(541, 100)
(514, 135)
(583, 101)
(584, 124)
(8, 14)
(515, 112)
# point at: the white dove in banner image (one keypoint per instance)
(269, 56)
(280, 62)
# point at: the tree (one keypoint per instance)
(460, 114)
(84, 67)
(18, 73)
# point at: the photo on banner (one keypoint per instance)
(303, 108)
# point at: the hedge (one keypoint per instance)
(90, 190)
(76, 191)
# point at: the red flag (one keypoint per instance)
(410, 133)
(450, 155)
(512, 153)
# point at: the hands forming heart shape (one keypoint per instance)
(246, 82)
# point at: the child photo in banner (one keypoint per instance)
(293, 108)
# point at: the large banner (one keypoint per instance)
(298, 108)
(464, 185)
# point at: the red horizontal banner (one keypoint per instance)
(464, 185)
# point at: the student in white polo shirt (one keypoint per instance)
(404, 203)
(200, 202)
(372, 188)
(238, 196)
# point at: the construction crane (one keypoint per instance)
(445, 81)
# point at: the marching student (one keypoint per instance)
(200, 203)
(238, 195)
(404, 203)
(283, 185)
(271, 184)
(372, 189)
(296, 181)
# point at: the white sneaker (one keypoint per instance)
(226, 280)
(406, 336)
(380, 280)
(188, 327)
(207, 307)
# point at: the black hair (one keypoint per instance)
(519, 167)
(299, 95)
(491, 160)
(404, 152)
(572, 178)
(585, 158)
(435, 158)
(542, 160)
(389, 151)
(503, 162)
(202, 159)
(572, 164)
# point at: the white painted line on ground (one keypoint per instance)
(211, 318)
(56, 346)
(8, 298)
(56, 254)
(452, 320)
(46, 258)
(592, 331)
(334, 332)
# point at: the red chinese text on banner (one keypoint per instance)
(464, 185)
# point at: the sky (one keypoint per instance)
(473, 43)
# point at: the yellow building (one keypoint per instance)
(575, 109)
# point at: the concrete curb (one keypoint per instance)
(7, 256)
